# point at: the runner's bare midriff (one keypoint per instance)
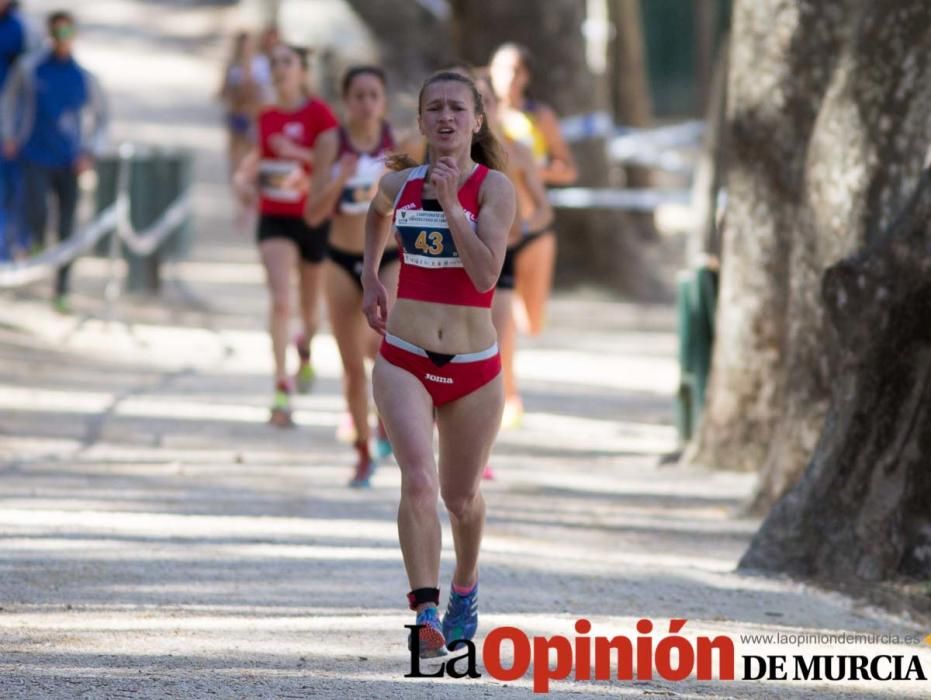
(348, 234)
(446, 328)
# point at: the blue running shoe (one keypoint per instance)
(432, 641)
(363, 477)
(383, 449)
(461, 618)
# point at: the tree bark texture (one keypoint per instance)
(413, 43)
(782, 59)
(863, 158)
(860, 511)
(847, 465)
(630, 88)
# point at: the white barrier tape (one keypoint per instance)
(651, 148)
(682, 135)
(16, 274)
(631, 200)
(582, 127)
(145, 242)
(657, 148)
(115, 217)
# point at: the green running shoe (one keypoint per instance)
(305, 378)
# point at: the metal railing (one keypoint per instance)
(116, 217)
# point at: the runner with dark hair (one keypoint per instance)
(348, 164)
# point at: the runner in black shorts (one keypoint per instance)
(311, 241)
(276, 174)
(348, 165)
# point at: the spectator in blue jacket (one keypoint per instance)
(43, 123)
(14, 41)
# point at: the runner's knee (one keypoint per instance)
(460, 504)
(420, 487)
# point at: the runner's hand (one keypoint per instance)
(347, 166)
(375, 303)
(444, 177)
(285, 147)
(296, 181)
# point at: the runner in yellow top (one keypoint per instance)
(533, 213)
(536, 125)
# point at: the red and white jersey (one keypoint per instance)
(301, 126)
(431, 269)
(359, 190)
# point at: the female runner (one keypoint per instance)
(537, 126)
(439, 356)
(534, 214)
(242, 94)
(279, 166)
(348, 164)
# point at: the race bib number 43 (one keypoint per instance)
(426, 239)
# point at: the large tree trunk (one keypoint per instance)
(593, 245)
(860, 511)
(863, 155)
(775, 89)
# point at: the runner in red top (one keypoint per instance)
(439, 357)
(275, 174)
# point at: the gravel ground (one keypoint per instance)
(160, 541)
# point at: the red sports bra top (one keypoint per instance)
(430, 266)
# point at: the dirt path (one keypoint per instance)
(159, 541)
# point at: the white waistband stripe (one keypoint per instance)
(457, 359)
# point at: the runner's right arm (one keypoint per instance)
(541, 216)
(325, 186)
(246, 177)
(561, 168)
(377, 230)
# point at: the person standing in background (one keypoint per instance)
(42, 112)
(14, 42)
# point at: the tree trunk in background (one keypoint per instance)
(594, 246)
(860, 511)
(630, 87)
(704, 245)
(705, 15)
(413, 43)
(863, 157)
(775, 89)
